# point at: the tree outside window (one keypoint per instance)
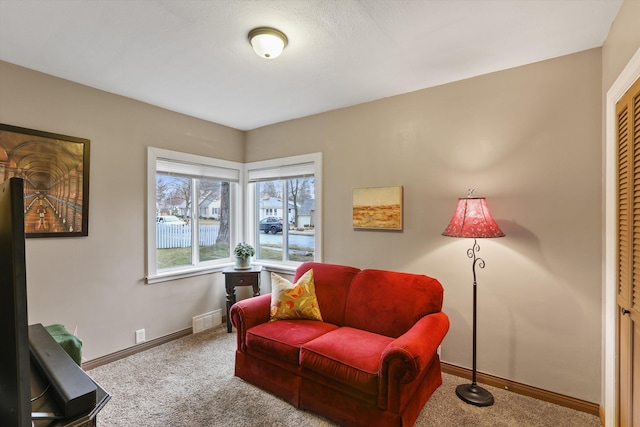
(285, 212)
(208, 225)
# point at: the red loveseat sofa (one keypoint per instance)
(371, 361)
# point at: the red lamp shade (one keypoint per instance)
(472, 219)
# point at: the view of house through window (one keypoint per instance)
(285, 219)
(192, 220)
(200, 207)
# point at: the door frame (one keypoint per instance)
(609, 365)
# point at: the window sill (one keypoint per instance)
(182, 274)
(278, 267)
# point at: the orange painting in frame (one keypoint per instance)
(377, 208)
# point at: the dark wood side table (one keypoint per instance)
(233, 278)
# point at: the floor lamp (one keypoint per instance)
(472, 219)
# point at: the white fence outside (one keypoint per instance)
(179, 236)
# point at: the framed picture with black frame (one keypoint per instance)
(55, 170)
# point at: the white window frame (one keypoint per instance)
(281, 169)
(235, 204)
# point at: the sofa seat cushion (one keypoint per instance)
(282, 339)
(350, 356)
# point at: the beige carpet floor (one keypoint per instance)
(189, 382)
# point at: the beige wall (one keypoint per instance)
(529, 140)
(622, 43)
(96, 282)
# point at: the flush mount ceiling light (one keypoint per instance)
(267, 42)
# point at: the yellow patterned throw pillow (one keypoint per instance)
(294, 300)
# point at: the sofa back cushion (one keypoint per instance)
(389, 303)
(332, 284)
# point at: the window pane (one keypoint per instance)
(193, 207)
(301, 236)
(213, 219)
(270, 220)
(173, 233)
(286, 229)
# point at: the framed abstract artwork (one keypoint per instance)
(377, 208)
(55, 170)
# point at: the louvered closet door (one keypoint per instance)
(628, 298)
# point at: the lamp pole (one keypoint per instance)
(473, 219)
(473, 393)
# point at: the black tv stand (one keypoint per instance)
(47, 405)
(45, 416)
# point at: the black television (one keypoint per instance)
(15, 382)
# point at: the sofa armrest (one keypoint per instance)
(410, 354)
(248, 313)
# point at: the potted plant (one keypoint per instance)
(243, 253)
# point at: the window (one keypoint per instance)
(192, 213)
(284, 209)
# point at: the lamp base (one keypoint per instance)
(475, 395)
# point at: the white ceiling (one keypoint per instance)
(193, 56)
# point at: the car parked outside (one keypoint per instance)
(169, 220)
(271, 224)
